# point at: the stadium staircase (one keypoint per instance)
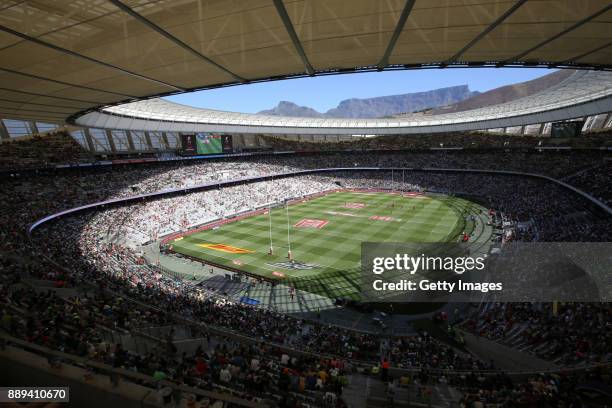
(548, 352)
(380, 395)
(513, 359)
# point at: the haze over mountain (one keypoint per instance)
(379, 106)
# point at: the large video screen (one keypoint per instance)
(210, 143)
(188, 141)
(228, 143)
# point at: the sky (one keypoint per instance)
(325, 92)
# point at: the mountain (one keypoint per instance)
(506, 93)
(379, 106)
(394, 104)
(286, 108)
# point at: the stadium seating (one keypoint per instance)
(81, 274)
(41, 151)
(465, 140)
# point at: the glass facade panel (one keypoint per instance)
(100, 140)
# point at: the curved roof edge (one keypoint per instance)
(110, 121)
(584, 93)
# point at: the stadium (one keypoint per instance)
(157, 253)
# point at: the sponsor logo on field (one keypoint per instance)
(310, 223)
(381, 218)
(226, 248)
(295, 265)
(354, 205)
(278, 274)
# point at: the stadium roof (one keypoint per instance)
(582, 94)
(59, 58)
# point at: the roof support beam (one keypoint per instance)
(51, 96)
(148, 139)
(174, 39)
(560, 34)
(37, 104)
(164, 140)
(130, 141)
(4, 134)
(111, 141)
(86, 58)
(28, 116)
(34, 110)
(89, 139)
(282, 13)
(399, 27)
(577, 57)
(98, 141)
(33, 127)
(10, 71)
(490, 28)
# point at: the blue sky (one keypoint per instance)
(323, 93)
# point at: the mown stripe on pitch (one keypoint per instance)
(315, 244)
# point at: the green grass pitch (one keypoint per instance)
(331, 253)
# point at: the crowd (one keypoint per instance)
(520, 199)
(147, 220)
(80, 326)
(96, 253)
(59, 148)
(53, 148)
(596, 180)
(94, 248)
(565, 389)
(569, 334)
(465, 140)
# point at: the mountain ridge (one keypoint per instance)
(378, 106)
(438, 101)
(506, 93)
